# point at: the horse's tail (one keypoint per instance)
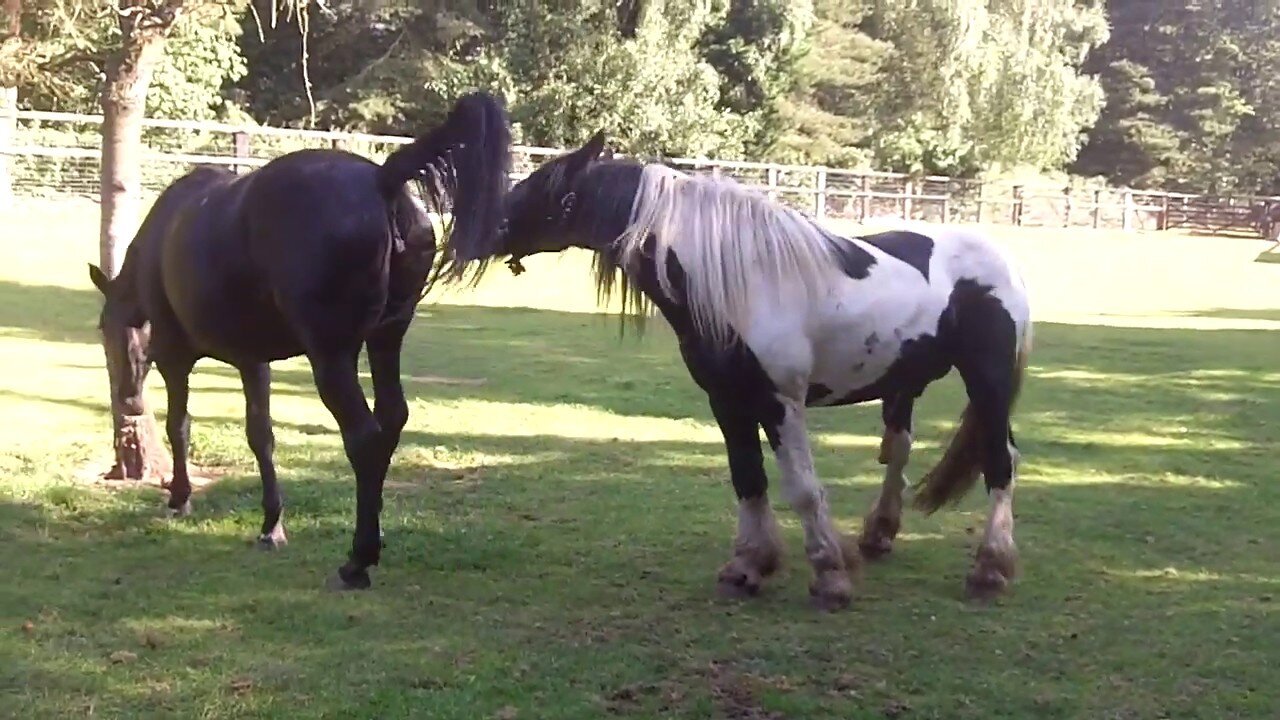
(957, 472)
(464, 165)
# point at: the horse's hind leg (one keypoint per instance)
(256, 380)
(177, 381)
(991, 366)
(757, 549)
(339, 387)
(881, 525)
(389, 405)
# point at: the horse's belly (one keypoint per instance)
(236, 327)
(884, 353)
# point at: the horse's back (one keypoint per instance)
(291, 255)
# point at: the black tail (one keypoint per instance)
(464, 165)
(957, 472)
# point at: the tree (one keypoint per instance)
(1191, 96)
(975, 83)
(144, 28)
(829, 117)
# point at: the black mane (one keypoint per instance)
(605, 192)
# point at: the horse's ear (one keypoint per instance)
(99, 278)
(585, 155)
(594, 146)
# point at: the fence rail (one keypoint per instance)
(56, 154)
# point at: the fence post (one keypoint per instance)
(1066, 213)
(982, 191)
(1097, 209)
(1127, 223)
(946, 204)
(772, 174)
(1017, 205)
(8, 138)
(820, 197)
(864, 199)
(240, 144)
(908, 189)
(1164, 212)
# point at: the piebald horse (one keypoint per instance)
(318, 253)
(776, 315)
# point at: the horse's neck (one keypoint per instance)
(604, 195)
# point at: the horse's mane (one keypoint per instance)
(735, 246)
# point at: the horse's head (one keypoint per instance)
(125, 338)
(537, 208)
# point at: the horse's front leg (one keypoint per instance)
(757, 549)
(177, 378)
(835, 561)
(257, 410)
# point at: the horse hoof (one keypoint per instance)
(985, 586)
(274, 541)
(875, 548)
(832, 591)
(877, 537)
(342, 581)
(181, 511)
(739, 579)
(992, 574)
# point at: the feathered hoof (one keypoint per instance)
(181, 511)
(272, 541)
(739, 579)
(993, 574)
(831, 591)
(877, 537)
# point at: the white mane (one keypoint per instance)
(733, 244)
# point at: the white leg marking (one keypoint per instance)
(996, 563)
(807, 496)
(757, 550)
(999, 533)
(757, 531)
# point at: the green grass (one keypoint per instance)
(559, 507)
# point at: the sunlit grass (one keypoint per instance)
(559, 508)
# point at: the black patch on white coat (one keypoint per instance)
(911, 248)
(854, 261)
(924, 359)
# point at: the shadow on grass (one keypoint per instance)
(51, 313)
(555, 575)
(1270, 255)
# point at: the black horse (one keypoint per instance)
(318, 252)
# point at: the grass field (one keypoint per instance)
(560, 506)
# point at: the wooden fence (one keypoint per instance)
(57, 154)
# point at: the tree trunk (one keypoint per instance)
(124, 105)
(139, 452)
